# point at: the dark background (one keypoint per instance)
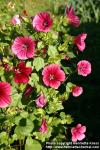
(86, 108)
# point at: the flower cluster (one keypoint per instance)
(36, 74)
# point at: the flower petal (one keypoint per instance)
(60, 75)
(74, 139)
(27, 71)
(80, 136)
(20, 78)
(81, 46)
(82, 129)
(5, 101)
(5, 88)
(54, 84)
(22, 55)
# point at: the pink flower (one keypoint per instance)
(42, 22)
(77, 91)
(78, 133)
(21, 73)
(28, 91)
(41, 101)
(6, 67)
(5, 91)
(53, 76)
(66, 58)
(16, 20)
(84, 68)
(72, 18)
(79, 41)
(43, 128)
(23, 47)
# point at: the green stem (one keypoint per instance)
(20, 144)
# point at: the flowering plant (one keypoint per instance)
(35, 79)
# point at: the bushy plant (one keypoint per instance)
(34, 80)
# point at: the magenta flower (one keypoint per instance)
(6, 67)
(16, 20)
(84, 68)
(43, 128)
(5, 92)
(79, 41)
(23, 47)
(41, 101)
(78, 133)
(21, 73)
(53, 76)
(77, 91)
(72, 18)
(42, 22)
(28, 91)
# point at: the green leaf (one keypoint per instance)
(16, 100)
(34, 79)
(24, 128)
(71, 54)
(70, 85)
(39, 111)
(59, 138)
(24, 114)
(66, 119)
(52, 51)
(22, 87)
(40, 45)
(1, 71)
(32, 144)
(55, 121)
(17, 119)
(69, 119)
(68, 90)
(54, 106)
(29, 64)
(67, 70)
(62, 115)
(38, 63)
(66, 95)
(55, 35)
(3, 138)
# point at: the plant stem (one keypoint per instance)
(20, 144)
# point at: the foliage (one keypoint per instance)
(88, 10)
(21, 121)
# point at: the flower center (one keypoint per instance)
(83, 68)
(17, 70)
(24, 47)
(51, 77)
(45, 24)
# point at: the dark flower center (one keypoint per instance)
(45, 24)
